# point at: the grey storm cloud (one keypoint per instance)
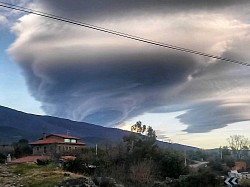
(98, 78)
(214, 115)
(220, 96)
(107, 89)
(97, 8)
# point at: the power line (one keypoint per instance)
(117, 33)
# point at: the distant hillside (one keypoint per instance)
(15, 125)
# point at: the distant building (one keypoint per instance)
(240, 165)
(6, 148)
(56, 144)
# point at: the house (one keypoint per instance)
(240, 165)
(56, 144)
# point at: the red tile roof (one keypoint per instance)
(51, 140)
(29, 159)
(46, 141)
(63, 136)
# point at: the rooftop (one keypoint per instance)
(29, 159)
(63, 136)
(50, 140)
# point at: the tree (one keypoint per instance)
(171, 164)
(229, 162)
(138, 127)
(22, 148)
(199, 155)
(144, 136)
(237, 143)
(130, 141)
(151, 133)
(225, 152)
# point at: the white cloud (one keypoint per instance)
(9, 16)
(3, 21)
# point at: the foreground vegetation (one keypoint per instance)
(135, 162)
(138, 161)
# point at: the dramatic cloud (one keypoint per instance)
(90, 76)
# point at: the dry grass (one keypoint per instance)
(244, 182)
(31, 175)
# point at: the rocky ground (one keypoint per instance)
(31, 175)
(8, 178)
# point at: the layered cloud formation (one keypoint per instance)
(85, 75)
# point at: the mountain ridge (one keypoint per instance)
(15, 125)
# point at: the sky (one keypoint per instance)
(54, 68)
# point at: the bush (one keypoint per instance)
(105, 181)
(78, 166)
(42, 162)
(202, 179)
(2, 158)
(244, 183)
(171, 164)
(142, 172)
(22, 148)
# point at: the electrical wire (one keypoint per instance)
(117, 33)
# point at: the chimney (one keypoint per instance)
(44, 136)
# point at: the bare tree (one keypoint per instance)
(237, 143)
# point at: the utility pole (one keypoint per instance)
(221, 156)
(68, 132)
(185, 155)
(96, 149)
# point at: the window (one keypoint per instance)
(66, 140)
(37, 148)
(73, 141)
(69, 148)
(45, 149)
(59, 148)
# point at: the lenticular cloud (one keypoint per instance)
(89, 76)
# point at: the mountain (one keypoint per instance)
(15, 125)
